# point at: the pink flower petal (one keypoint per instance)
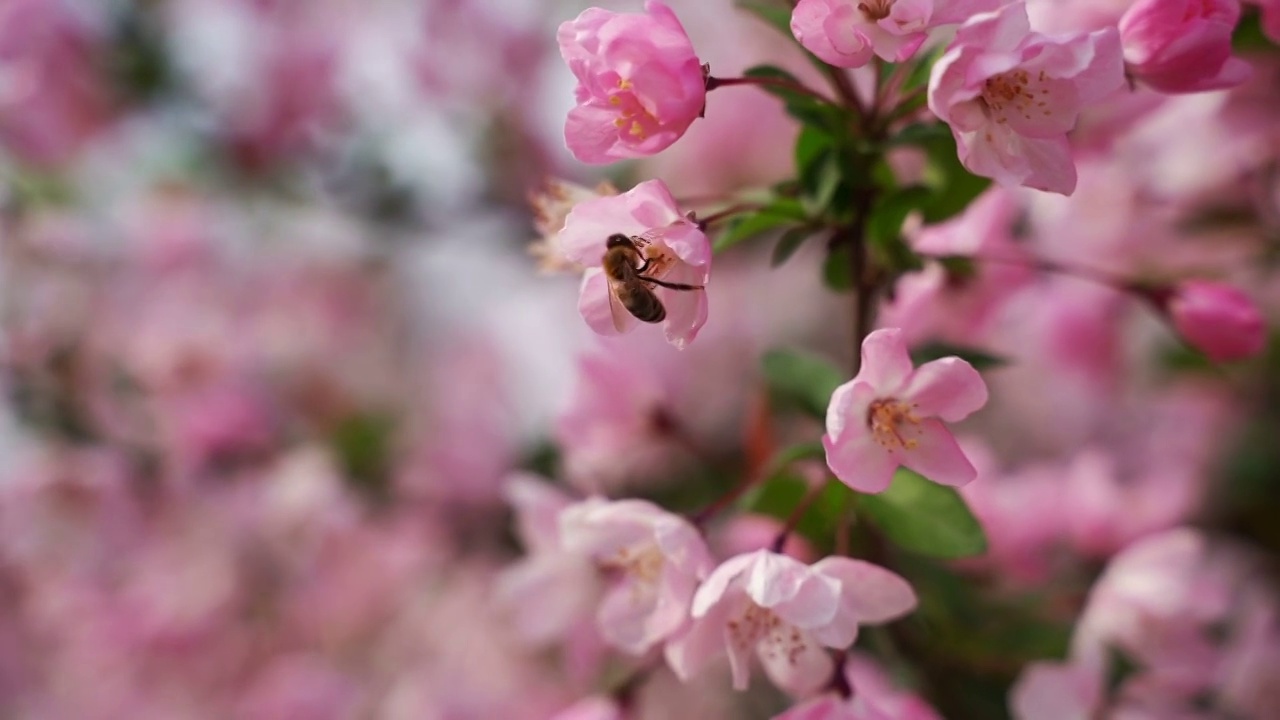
(594, 304)
(938, 457)
(794, 662)
(948, 388)
(860, 463)
(886, 365)
(873, 593)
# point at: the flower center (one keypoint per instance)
(641, 562)
(893, 424)
(1018, 92)
(876, 9)
(633, 118)
(759, 625)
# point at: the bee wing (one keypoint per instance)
(619, 313)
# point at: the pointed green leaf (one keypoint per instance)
(924, 517)
(804, 379)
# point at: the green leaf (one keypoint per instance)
(836, 270)
(979, 359)
(922, 516)
(779, 495)
(804, 379)
(362, 444)
(774, 15)
(892, 209)
(787, 245)
(780, 213)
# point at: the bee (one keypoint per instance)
(630, 289)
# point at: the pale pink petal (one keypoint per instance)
(592, 708)
(713, 589)
(1051, 166)
(949, 12)
(860, 463)
(938, 457)
(948, 388)
(998, 31)
(590, 135)
(701, 641)
(826, 707)
(594, 304)
(814, 604)
(774, 578)
(687, 310)
(537, 505)
(689, 244)
(875, 594)
(1053, 691)
(623, 618)
(886, 365)
(794, 662)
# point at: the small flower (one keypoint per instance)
(846, 33)
(785, 612)
(1182, 46)
(640, 84)
(655, 560)
(1217, 319)
(891, 414)
(675, 251)
(551, 205)
(1011, 96)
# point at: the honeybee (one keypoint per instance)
(630, 289)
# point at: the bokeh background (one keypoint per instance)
(273, 340)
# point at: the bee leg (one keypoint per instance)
(672, 285)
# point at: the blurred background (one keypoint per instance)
(272, 340)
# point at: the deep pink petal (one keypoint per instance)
(948, 388)
(938, 457)
(591, 136)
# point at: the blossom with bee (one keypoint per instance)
(891, 414)
(640, 83)
(672, 256)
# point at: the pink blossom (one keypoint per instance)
(1217, 319)
(785, 612)
(891, 414)
(640, 84)
(874, 698)
(1011, 96)
(593, 708)
(655, 560)
(1182, 46)
(675, 251)
(1056, 691)
(846, 33)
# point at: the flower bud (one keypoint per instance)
(1217, 319)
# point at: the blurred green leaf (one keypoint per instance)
(891, 210)
(780, 213)
(806, 380)
(1248, 36)
(787, 245)
(363, 446)
(979, 359)
(1120, 667)
(952, 187)
(836, 271)
(779, 496)
(924, 517)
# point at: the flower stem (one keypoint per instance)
(774, 82)
(797, 514)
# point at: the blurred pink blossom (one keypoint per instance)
(1011, 96)
(846, 33)
(654, 561)
(640, 83)
(891, 414)
(671, 243)
(1218, 319)
(592, 708)
(1181, 46)
(785, 613)
(874, 697)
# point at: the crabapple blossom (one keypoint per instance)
(654, 558)
(640, 83)
(785, 613)
(1217, 319)
(674, 248)
(846, 33)
(1182, 46)
(1011, 96)
(1056, 691)
(891, 414)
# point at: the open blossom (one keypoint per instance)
(846, 33)
(891, 414)
(1217, 319)
(640, 84)
(1182, 46)
(655, 560)
(1011, 96)
(785, 613)
(673, 247)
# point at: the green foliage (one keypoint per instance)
(801, 379)
(779, 496)
(780, 213)
(924, 517)
(787, 245)
(951, 186)
(362, 444)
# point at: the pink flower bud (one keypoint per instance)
(1217, 319)
(1182, 46)
(640, 84)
